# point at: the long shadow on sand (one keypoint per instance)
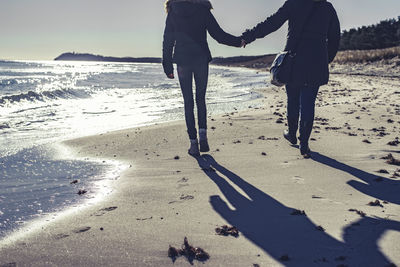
(373, 185)
(269, 224)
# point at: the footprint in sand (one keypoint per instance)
(183, 180)
(144, 219)
(104, 211)
(109, 209)
(81, 230)
(298, 180)
(182, 185)
(186, 197)
(61, 236)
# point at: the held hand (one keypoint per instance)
(243, 44)
(171, 76)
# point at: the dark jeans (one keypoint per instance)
(301, 103)
(198, 70)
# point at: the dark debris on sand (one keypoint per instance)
(367, 141)
(262, 137)
(191, 253)
(394, 143)
(298, 213)
(359, 212)
(391, 160)
(109, 209)
(375, 203)
(320, 228)
(226, 230)
(383, 171)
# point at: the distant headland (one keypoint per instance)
(90, 57)
(228, 61)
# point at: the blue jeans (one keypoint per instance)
(301, 103)
(198, 70)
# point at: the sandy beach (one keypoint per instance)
(252, 179)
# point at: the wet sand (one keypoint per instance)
(289, 211)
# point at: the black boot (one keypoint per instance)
(204, 147)
(305, 133)
(290, 134)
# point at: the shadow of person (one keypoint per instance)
(373, 185)
(269, 224)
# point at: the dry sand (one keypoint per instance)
(252, 179)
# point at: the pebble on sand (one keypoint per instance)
(359, 212)
(375, 203)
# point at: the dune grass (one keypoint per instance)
(363, 56)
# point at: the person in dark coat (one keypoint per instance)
(185, 43)
(314, 33)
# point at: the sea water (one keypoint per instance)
(44, 103)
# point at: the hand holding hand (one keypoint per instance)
(171, 76)
(243, 44)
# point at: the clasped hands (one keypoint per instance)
(243, 43)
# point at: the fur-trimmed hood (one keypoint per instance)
(168, 3)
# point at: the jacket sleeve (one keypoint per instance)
(333, 37)
(220, 35)
(168, 46)
(268, 26)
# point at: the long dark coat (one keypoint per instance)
(318, 43)
(185, 35)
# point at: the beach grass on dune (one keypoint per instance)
(363, 56)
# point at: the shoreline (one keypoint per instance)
(97, 188)
(158, 200)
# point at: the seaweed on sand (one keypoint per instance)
(188, 251)
(226, 230)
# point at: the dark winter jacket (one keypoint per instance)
(185, 34)
(318, 42)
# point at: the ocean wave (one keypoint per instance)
(8, 82)
(7, 62)
(45, 95)
(4, 126)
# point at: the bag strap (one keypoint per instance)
(303, 27)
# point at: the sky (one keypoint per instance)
(43, 29)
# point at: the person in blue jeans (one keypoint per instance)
(185, 43)
(315, 29)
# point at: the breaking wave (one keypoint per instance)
(44, 96)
